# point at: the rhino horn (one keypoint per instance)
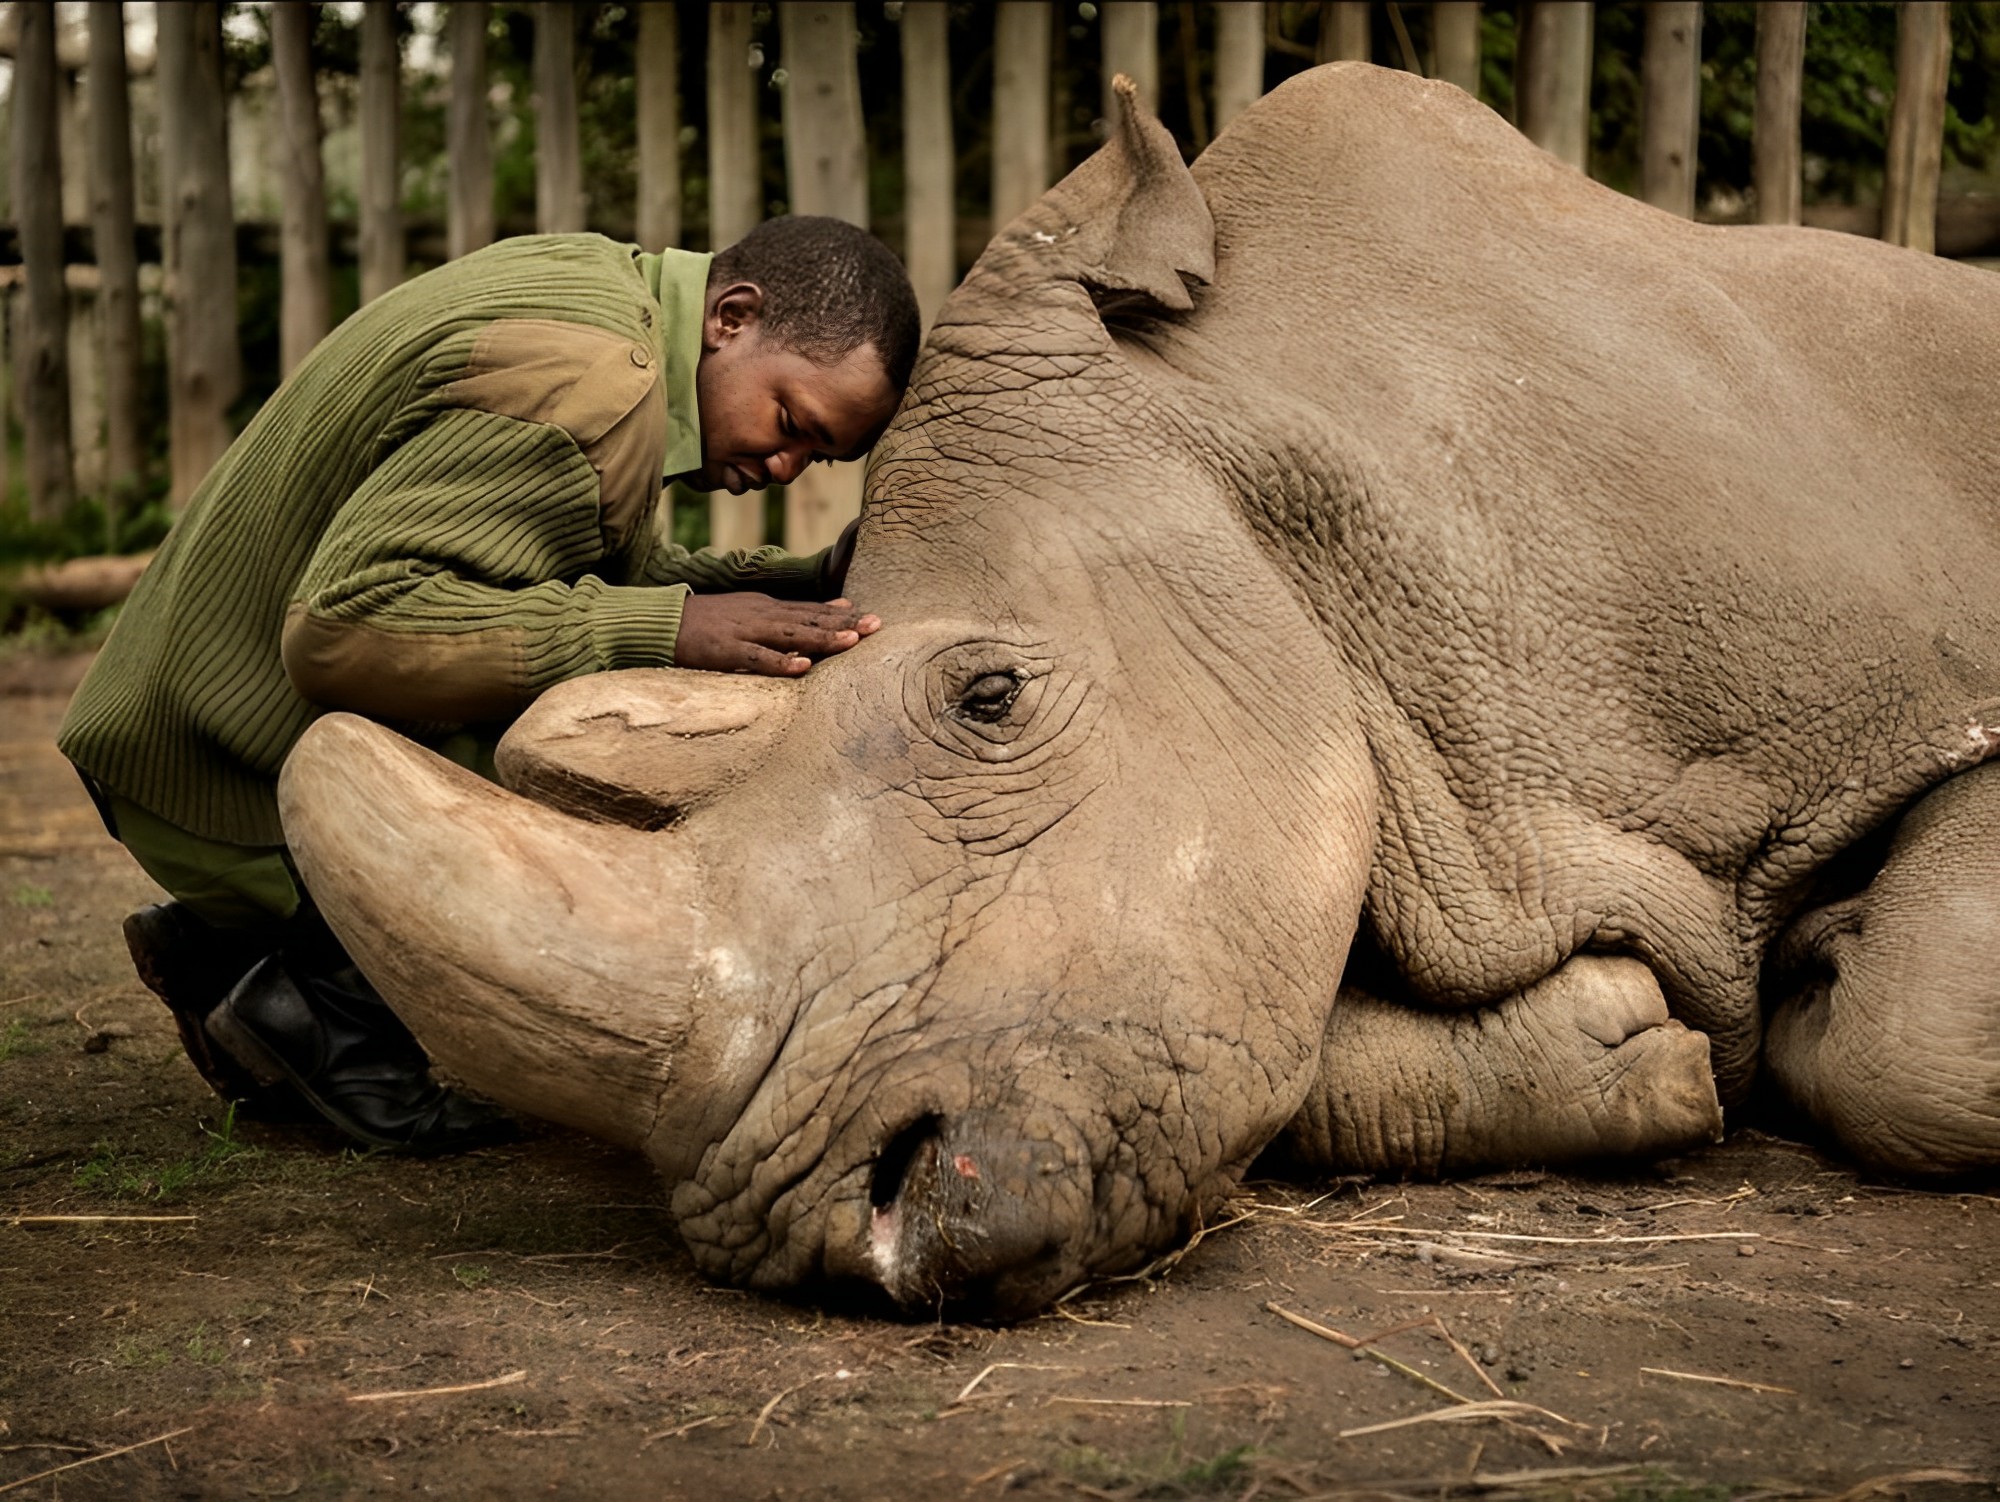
(646, 746)
(543, 960)
(1130, 220)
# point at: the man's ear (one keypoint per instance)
(732, 311)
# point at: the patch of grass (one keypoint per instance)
(470, 1276)
(1169, 1473)
(28, 894)
(15, 1042)
(126, 1176)
(138, 1353)
(204, 1349)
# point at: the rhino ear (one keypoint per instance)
(1130, 220)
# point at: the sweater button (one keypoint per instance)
(640, 357)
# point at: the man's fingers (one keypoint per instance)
(771, 664)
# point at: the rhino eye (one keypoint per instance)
(989, 697)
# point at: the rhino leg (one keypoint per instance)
(1584, 1064)
(1885, 1027)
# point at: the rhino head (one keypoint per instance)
(986, 957)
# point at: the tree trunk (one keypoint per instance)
(1552, 78)
(1239, 58)
(558, 159)
(659, 84)
(43, 340)
(111, 215)
(1131, 47)
(1343, 32)
(1916, 125)
(826, 170)
(930, 222)
(205, 369)
(1455, 43)
(470, 146)
(1670, 109)
(735, 204)
(381, 150)
(1781, 64)
(305, 309)
(1020, 106)
(204, 355)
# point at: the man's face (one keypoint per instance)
(767, 411)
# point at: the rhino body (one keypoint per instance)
(1393, 649)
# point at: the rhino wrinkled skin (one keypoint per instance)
(1376, 537)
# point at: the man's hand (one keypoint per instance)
(753, 633)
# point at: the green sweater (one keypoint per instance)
(448, 507)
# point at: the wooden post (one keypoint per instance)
(659, 85)
(381, 150)
(1020, 106)
(826, 171)
(930, 217)
(203, 349)
(1455, 43)
(1239, 58)
(1916, 124)
(558, 159)
(42, 338)
(1343, 32)
(1552, 78)
(1670, 105)
(305, 301)
(735, 205)
(112, 216)
(1776, 165)
(1131, 47)
(469, 147)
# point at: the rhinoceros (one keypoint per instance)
(1394, 651)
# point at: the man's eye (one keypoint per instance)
(989, 697)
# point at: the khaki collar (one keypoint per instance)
(678, 280)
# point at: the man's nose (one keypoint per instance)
(787, 464)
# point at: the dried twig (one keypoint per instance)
(158, 1439)
(1125, 1402)
(506, 1380)
(1466, 1356)
(764, 1413)
(684, 1429)
(1505, 1410)
(1363, 1348)
(1661, 1371)
(52, 1220)
(1382, 1230)
(1000, 1366)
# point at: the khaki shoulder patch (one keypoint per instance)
(601, 388)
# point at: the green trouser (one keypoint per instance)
(233, 886)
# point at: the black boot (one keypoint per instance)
(191, 965)
(331, 1037)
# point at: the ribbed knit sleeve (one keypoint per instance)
(771, 571)
(455, 584)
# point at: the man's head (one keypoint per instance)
(810, 331)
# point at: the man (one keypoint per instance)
(449, 507)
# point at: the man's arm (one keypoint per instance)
(455, 584)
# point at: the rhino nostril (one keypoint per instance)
(892, 1165)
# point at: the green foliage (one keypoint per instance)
(32, 894)
(123, 1175)
(15, 1042)
(471, 1276)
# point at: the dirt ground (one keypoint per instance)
(247, 1311)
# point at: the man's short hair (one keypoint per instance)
(829, 288)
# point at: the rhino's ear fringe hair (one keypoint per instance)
(1130, 221)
